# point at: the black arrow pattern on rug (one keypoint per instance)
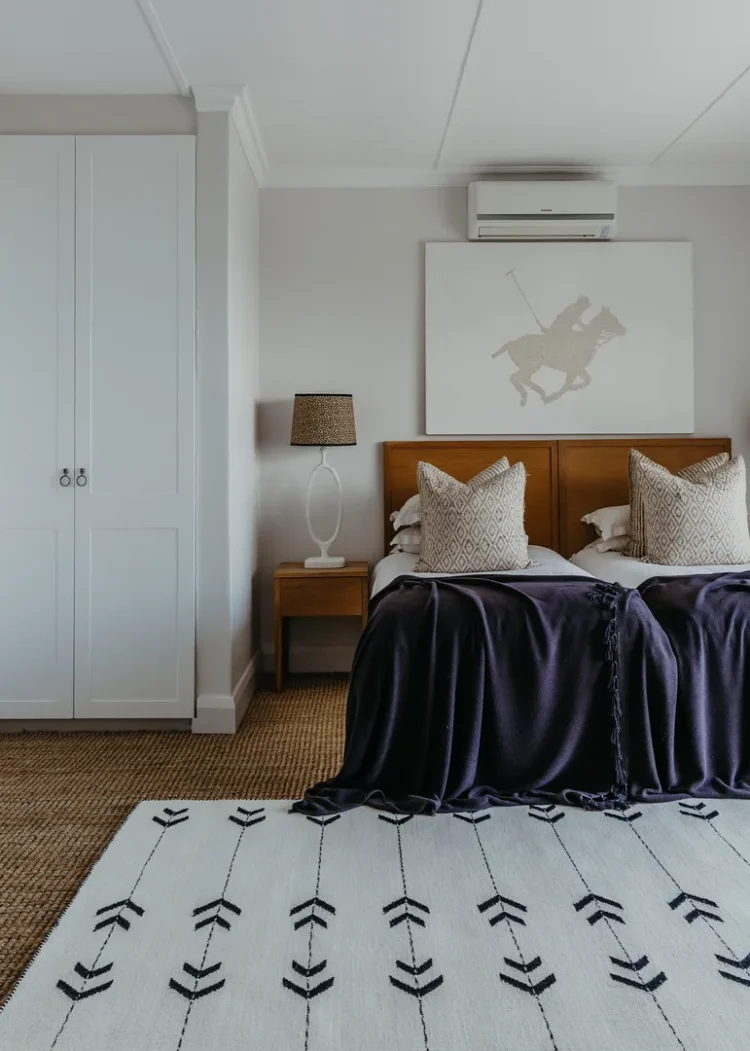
(550, 814)
(117, 916)
(220, 904)
(174, 817)
(199, 972)
(311, 970)
(740, 965)
(698, 810)
(609, 924)
(87, 974)
(414, 914)
(648, 985)
(533, 984)
(693, 809)
(508, 913)
(695, 910)
(593, 904)
(693, 903)
(312, 904)
(245, 818)
(629, 814)
(128, 900)
(409, 913)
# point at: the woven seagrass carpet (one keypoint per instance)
(63, 796)
(237, 924)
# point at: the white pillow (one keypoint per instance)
(409, 540)
(410, 514)
(614, 543)
(610, 521)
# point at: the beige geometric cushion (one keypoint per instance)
(698, 523)
(637, 545)
(475, 526)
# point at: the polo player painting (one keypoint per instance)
(568, 344)
(559, 338)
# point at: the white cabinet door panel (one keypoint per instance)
(37, 267)
(135, 383)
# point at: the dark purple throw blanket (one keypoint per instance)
(482, 690)
(700, 740)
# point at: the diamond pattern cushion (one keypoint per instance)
(473, 527)
(695, 523)
(637, 546)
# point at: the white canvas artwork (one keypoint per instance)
(551, 338)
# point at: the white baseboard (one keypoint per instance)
(222, 713)
(314, 659)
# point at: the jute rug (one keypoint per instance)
(63, 796)
(235, 925)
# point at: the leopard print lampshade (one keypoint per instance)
(323, 419)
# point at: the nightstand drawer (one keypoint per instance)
(340, 597)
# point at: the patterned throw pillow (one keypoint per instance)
(473, 527)
(695, 523)
(637, 546)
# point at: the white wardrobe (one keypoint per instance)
(97, 425)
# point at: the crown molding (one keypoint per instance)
(163, 46)
(235, 100)
(302, 177)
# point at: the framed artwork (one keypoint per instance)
(559, 338)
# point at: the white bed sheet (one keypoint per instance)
(630, 572)
(550, 564)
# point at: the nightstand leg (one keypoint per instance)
(278, 640)
(279, 654)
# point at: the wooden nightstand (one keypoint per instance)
(300, 592)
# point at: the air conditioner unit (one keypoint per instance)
(542, 211)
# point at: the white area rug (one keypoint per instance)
(218, 925)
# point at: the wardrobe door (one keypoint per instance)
(134, 466)
(36, 426)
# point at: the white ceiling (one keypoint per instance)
(389, 92)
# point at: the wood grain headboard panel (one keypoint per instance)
(464, 459)
(594, 473)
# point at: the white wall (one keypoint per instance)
(227, 338)
(96, 115)
(243, 397)
(342, 309)
(214, 637)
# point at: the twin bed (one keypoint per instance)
(590, 678)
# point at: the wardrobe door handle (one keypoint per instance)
(81, 479)
(65, 478)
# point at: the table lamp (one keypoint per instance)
(323, 420)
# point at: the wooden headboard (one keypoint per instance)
(566, 479)
(465, 459)
(594, 473)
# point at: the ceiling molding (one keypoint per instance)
(736, 174)
(293, 178)
(459, 82)
(163, 46)
(216, 98)
(701, 115)
(243, 116)
(235, 100)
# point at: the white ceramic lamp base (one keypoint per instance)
(324, 560)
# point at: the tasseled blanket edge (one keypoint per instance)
(606, 596)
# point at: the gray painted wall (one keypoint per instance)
(342, 309)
